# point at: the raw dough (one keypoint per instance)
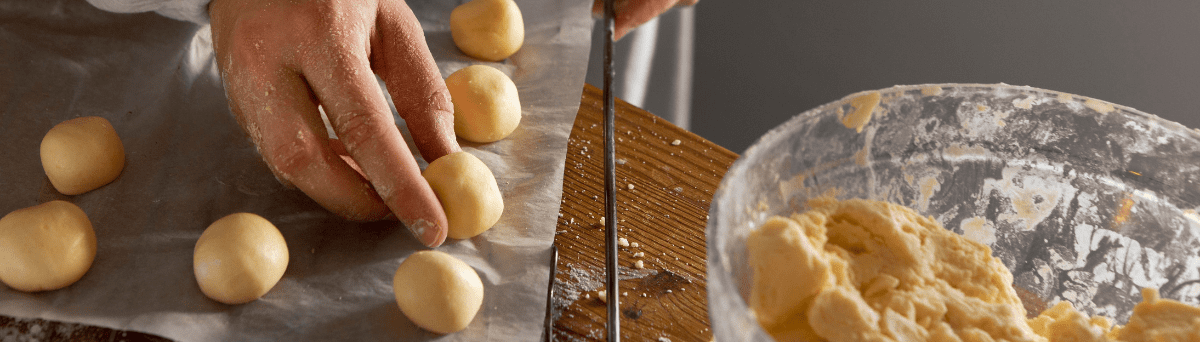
(82, 154)
(860, 270)
(1157, 319)
(468, 191)
(239, 258)
(45, 247)
(490, 30)
(486, 105)
(863, 106)
(437, 291)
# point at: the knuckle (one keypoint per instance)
(292, 158)
(359, 127)
(439, 101)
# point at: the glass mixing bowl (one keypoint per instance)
(1085, 201)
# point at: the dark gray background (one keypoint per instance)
(757, 63)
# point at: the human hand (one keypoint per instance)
(280, 59)
(629, 14)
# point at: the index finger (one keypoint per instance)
(354, 103)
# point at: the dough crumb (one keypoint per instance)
(1099, 106)
(931, 91)
(863, 105)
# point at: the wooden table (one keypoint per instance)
(666, 177)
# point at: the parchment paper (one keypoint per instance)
(189, 164)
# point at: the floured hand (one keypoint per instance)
(280, 59)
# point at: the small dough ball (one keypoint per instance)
(488, 29)
(468, 191)
(45, 247)
(82, 154)
(437, 291)
(486, 105)
(239, 258)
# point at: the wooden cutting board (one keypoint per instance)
(666, 177)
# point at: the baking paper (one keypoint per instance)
(188, 164)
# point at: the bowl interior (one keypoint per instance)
(1083, 200)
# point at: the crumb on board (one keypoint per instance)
(676, 142)
(634, 245)
(639, 264)
(623, 242)
(630, 186)
(638, 254)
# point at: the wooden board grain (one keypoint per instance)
(667, 177)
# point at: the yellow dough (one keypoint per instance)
(486, 105)
(1157, 319)
(860, 270)
(468, 192)
(863, 106)
(82, 154)
(488, 29)
(239, 258)
(437, 291)
(45, 247)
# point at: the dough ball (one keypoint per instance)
(468, 191)
(239, 258)
(488, 29)
(486, 105)
(437, 291)
(82, 154)
(45, 247)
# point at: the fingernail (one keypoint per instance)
(426, 232)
